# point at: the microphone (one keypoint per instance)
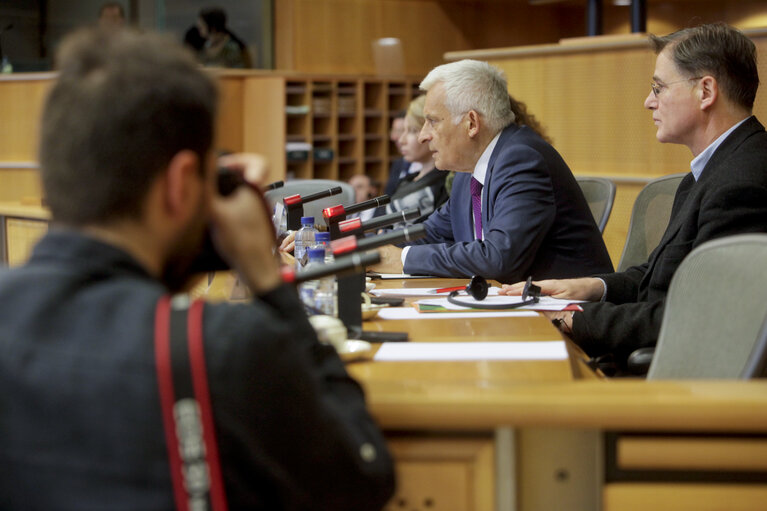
(356, 226)
(351, 244)
(294, 205)
(354, 263)
(338, 213)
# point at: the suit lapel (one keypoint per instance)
(506, 134)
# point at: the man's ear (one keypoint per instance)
(182, 180)
(708, 92)
(473, 123)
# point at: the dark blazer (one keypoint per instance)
(729, 198)
(80, 419)
(534, 217)
(398, 166)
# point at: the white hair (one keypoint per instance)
(473, 85)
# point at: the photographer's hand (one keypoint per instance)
(242, 229)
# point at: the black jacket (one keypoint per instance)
(80, 423)
(729, 198)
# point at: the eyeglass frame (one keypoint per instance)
(658, 88)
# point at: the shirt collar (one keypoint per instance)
(480, 169)
(699, 162)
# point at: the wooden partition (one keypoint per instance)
(589, 95)
(343, 119)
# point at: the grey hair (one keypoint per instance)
(473, 85)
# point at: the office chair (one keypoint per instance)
(714, 321)
(649, 218)
(307, 186)
(600, 194)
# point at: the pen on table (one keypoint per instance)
(446, 289)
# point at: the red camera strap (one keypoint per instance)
(186, 408)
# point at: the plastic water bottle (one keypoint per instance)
(308, 290)
(326, 294)
(304, 240)
(322, 240)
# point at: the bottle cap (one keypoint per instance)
(307, 220)
(322, 237)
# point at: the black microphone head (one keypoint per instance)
(477, 287)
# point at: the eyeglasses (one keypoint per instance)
(657, 88)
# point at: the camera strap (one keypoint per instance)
(186, 407)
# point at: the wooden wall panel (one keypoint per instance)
(20, 185)
(21, 102)
(335, 36)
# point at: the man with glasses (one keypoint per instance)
(515, 208)
(701, 96)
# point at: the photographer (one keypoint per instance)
(129, 177)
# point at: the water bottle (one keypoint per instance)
(304, 240)
(322, 240)
(325, 295)
(307, 290)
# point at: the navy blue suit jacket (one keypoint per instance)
(534, 216)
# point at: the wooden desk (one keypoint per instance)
(21, 225)
(540, 436)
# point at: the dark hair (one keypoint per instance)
(717, 49)
(123, 105)
(214, 18)
(522, 116)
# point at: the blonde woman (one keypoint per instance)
(424, 189)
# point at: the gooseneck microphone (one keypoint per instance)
(353, 263)
(351, 244)
(333, 216)
(294, 205)
(356, 226)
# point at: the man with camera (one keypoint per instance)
(128, 173)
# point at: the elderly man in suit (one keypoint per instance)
(515, 208)
(701, 96)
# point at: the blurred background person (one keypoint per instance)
(221, 48)
(399, 168)
(111, 16)
(364, 188)
(424, 185)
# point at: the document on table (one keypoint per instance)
(546, 303)
(393, 276)
(407, 292)
(458, 351)
(411, 313)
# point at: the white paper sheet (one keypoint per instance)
(411, 313)
(393, 276)
(546, 303)
(405, 292)
(423, 351)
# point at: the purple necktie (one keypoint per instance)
(476, 206)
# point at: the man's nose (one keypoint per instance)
(651, 102)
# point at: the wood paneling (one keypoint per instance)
(692, 453)
(684, 497)
(335, 36)
(21, 102)
(21, 236)
(443, 474)
(20, 185)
